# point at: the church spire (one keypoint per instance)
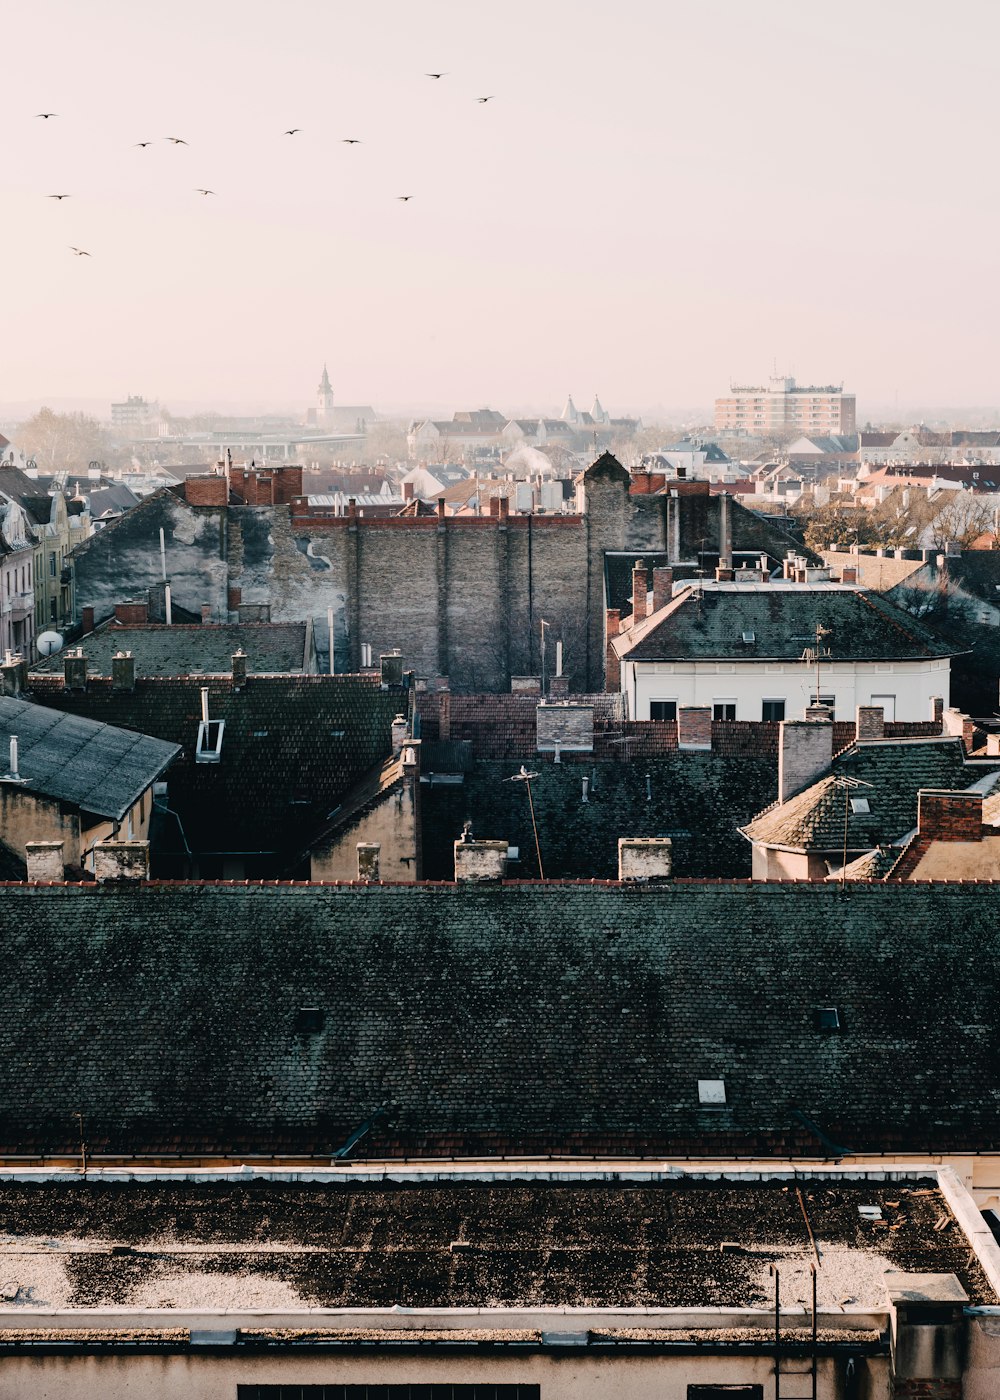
(325, 387)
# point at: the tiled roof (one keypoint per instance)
(191, 650)
(526, 1017)
(94, 766)
(873, 865)
(292, 747)
(710, 622)
(896, 771)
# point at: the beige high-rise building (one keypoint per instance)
(782, 404)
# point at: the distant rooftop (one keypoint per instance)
(189, 650)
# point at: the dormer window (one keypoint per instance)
(209, 748)
(210, 731)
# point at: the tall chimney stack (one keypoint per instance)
(639, 591)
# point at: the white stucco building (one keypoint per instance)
(766, 650)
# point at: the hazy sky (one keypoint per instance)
(661, 196)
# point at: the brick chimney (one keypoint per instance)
(613, 666)
(870, 723)
(949, 816)
(644, 858)
(206, 613)
(123, 671)
(86, 619)
(239, 660)
(75, 670)
(663, 586)
(805, 751)
(818, 711)
(480, 862)
(368, 860)
(639, 591)
(399, 728)
(134, 612)
(13, 674)
(725, 533)
(44, 860)
(849, 574)
(694, 727)
(121, 861)
(937, 711)
(391, 665)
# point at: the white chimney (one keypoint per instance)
(13, 760)
(44, 860)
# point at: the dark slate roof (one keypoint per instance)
(96, 767)
(292, 747)
(896, 770)
(525, 1017)
(111, 498)
(191, 650)
(710, 622)
(281, 1245)
(699, 800)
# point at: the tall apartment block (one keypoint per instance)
(783, 404)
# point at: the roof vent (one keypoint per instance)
(749, 638)
(712, 1093)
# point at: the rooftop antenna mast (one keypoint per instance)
(526, 778)
(813, 655)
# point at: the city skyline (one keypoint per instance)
(655, 203)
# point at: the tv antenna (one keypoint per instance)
(526, 778)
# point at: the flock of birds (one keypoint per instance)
(180, 141)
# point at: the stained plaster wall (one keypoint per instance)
(124, 558)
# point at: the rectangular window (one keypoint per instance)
(724, 709)
(52, 566)
(772, 710)
(725, 1392)
(888, 703)
(663, 709)
(395, 1392)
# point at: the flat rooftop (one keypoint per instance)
(281, 1245)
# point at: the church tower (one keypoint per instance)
(324, 399)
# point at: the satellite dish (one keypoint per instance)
(49, 643)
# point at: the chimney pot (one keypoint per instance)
(120, 861)
(805, 751)
(694, 727)
(369, 853)
(950, 816)
(480, 862)
(644, 858)
(75, 670)
(399, 728)
(123, 671)
(44, 860)
(13, 674)
(391, 665)
(639, 591)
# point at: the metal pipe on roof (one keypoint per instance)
(13, 758)
(166, 601)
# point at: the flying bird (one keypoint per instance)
(204, 192)
(292, 130)
(79, 252)
(45, 115)
(436, 75)
(58, 196)
(176, 140)
(484, 99)
(404, 197)
(143, 143)
(350, 141)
